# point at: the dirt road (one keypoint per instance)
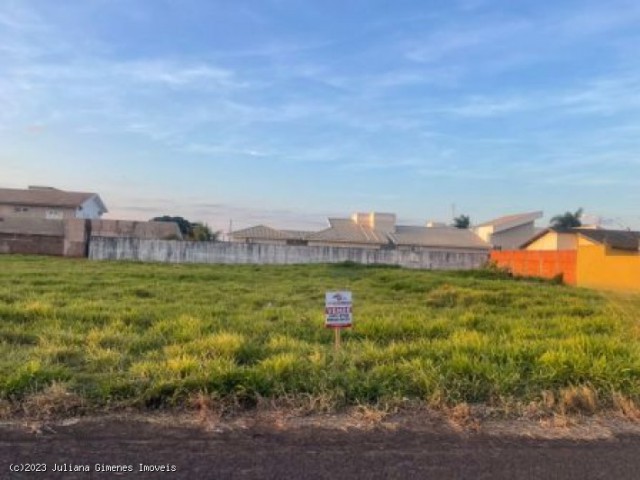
(268, 452)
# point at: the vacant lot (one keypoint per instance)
(91, 335)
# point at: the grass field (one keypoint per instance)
(147, 335)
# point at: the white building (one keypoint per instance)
(509, 232)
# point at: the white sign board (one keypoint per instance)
(338, 310)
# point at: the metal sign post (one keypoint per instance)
(338, 313)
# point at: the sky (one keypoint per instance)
(284, 112)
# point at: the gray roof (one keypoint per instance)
(46, 197)
(510, 221)
(437, 237)
(349, 232)
(345, 230)
(620, 239)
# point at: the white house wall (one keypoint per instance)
(90, 209)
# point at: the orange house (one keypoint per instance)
(586, 257)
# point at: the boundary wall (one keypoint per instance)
(608, 269)
(102, 248)
(71, 237)
(539, 263)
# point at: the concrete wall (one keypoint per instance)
(76, 235)
(538, 263)
(31, 236)
(70, 237)
(224, 252)
(129, 228)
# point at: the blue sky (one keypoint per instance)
(283, 111)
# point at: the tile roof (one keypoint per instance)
(45, 197)
(510, 221)
(268, 233)
(349, 232)
(345, 230)
(620, 239)
(437, 237)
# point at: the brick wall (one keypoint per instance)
(538, 263)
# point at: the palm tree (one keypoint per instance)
(462, 221)
(567, 220)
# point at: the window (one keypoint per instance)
(53, 214)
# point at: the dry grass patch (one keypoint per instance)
(582, 399)
(54, 401)
(5, 409)
(369, 415)
(626, 406)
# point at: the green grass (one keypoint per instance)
(149, 335)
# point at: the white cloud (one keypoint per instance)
(177, 74)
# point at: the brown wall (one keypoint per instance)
(31, 244)
(34, 236)
(544, 264)
(70, 237)
(133, 229)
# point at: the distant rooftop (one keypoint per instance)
(39, 196)
(618, 239)
(268, 233)
(511, 221)
(361, 229)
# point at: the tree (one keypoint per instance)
(567, 220)
(196, 231)
(462, 221)
(203, 233)
(185, 226)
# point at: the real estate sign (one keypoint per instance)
(338, 310)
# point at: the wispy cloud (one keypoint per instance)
(473, 91)
(218, 216)
(457, 39)
(177, 75)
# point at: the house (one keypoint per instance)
(49, 203)
(360, 231)
(509, 232)
(586, 257)
(372, 230)
(409, 237)
(271, 236)
(556, 239)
